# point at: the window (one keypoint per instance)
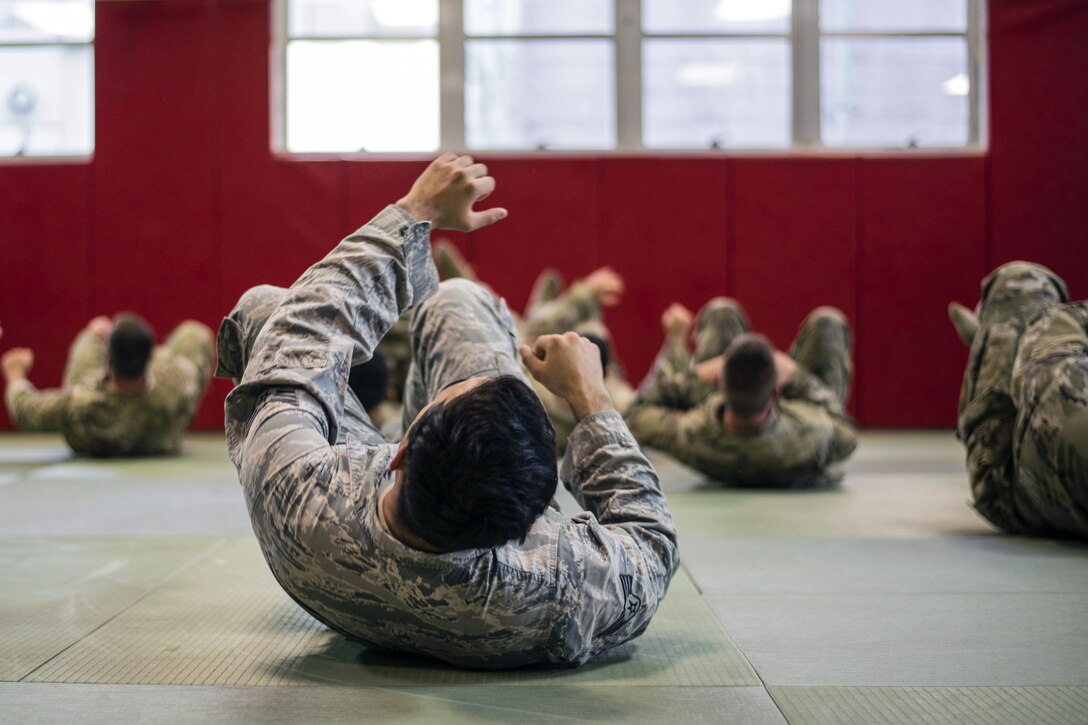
(46, 77)
(628, 75)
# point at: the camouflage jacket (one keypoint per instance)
(1023, 412)
(98, 422)
(313, 472)
(806, 433)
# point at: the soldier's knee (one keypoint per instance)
(720, 308)
(828, 323)
(720, 303)
(452, 294)
(830, 316)
(457, 290)
(196, 330)
(1023, 279)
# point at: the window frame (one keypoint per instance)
(804, 36)
(63, 157)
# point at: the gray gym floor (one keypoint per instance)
(133, 591)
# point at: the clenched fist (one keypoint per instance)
(569, 365)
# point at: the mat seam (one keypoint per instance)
(762, 683)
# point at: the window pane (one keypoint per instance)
(538, 17)
(553, 94)
(894, 92)
(342, 97)
(893, 15)
(716, 93)
(716, 16)
(343, 18)
(36, 21)
(45, 101)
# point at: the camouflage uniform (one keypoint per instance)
(98, 422)
(1023, 412)
(806, 433)
(312, 476)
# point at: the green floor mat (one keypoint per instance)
(56, 592)
(226, 622)
(976, 564)
(911, 639)
(119, 704)
(935, 705)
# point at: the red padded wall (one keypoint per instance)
(45, 273)
(1039, 135)
(796, 246)
(555, 221)
(922, 232)
(666, 247)
(184, 206)
(156, 240)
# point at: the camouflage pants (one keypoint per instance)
(1023, 412)
(822, 345)
(462, 331)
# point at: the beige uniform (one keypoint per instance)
(806, 433)
(98, 422)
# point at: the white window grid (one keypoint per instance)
(804, 38)
(52, 43)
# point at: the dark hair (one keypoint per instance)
(749, 379)
(480, 469)
(131, 342)
(370, 380)
(602, 345)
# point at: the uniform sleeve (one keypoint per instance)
(86, 358)
(616, 561)
(337, 311)
(577, 305)
(33, 410)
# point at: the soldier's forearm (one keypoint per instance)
(608, 474)
(34, 410)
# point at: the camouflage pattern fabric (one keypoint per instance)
(1023, 413)
(547, 286)
(312, 478)
(238, 332)
(807, 433)
(98, 422)
(573, 309)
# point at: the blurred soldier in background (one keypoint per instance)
(742, 412)
(121, 395)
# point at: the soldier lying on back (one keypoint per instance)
(121, 396)
(446, 545)
(1023, 412)
(742, 412)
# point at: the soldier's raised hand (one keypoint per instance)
(569, 365)
(607, 286)
(16, 363)
(446, 191)
(676, 321)
(100, 327)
